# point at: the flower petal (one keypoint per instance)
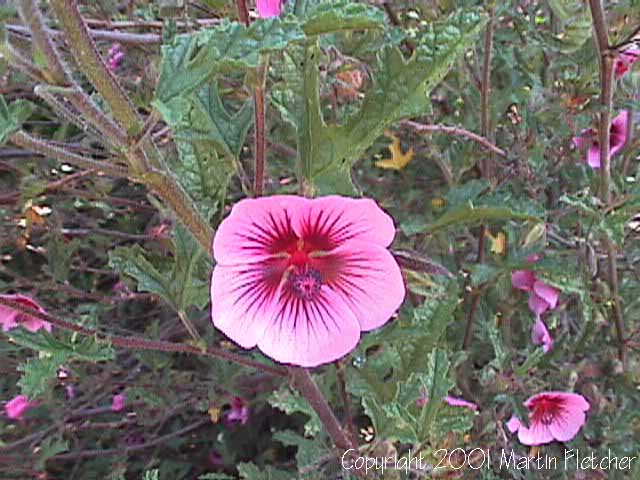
(339, 219)
(523, 280)
(514, 424)
(540, 335)
(257, 229)
(537, 304)
(619, 132)
(367, 278)
(593, 156)
(567, 426)
(460, 402)
(243, 299)
(309, 333)
(547, 292)
(269, 8)
(536, 434)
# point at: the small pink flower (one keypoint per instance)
(540, 335)
(115, 56)
(626, 59)
(118, 402)
(553, 416)
(239, 412)
(301, 278)
(269, 8)
(18, 406)
(618, 137)
(10, 318)
(542, 295)
(451, 401)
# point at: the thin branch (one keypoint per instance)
(607, 85)
(93, 66)
(458, 131)
(136, 343)
(260, 129)
(23, 139)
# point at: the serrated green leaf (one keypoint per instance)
(290, 402)
(185, 283)
(310, 450)
(470, 215)
(37, 375)
(12, 117)
(192, 60)
(400, 90)
(342, 16)
(50, 447)
(59, 255)
(437, 384)
(249, 471)
(85, 348)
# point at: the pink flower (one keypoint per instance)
(10, 318)
(552, 416)
(269, 8)
(540, 335)
(17, 407)
(239, 412)
(542, 295)
(625, 61)
(451, 401)
(301, 278)
(118, 402)
(115, 56)
(619, 134)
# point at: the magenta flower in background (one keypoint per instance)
(542, 295)
(118, 402)
(269, 8)
(10, 318)
(301, 278)
(626, 59)
(239, 412)
(553, 416)
(115, 56)
(619, 134)
(17, 407)
(451, 401)
(540, 335)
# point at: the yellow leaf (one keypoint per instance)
(214, 414)
(398, 160)
(498, 243)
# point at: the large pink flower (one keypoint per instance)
(301, 278)
(552, 416)
(10, 318)
(269, 8)
(17, 407)
(618, 136)
(542, 295)
(625, 61)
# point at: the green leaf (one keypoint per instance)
(437, 383)
(85, 348)
(183, 283)
(37, 375)
(290, 402)
(470, 215)
(12, 117)
(192, 60)
(400, 90)
(216, 476)
(310, 450)
(151, 475)
(49, 447)
(59, 255)
(249, 471)
(342, 15)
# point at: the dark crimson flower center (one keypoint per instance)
(306, 282)
(546, 410)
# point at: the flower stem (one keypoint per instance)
(309, 389)
(260, 129)
(607, 86)
(136, 343)
(93, 66)
(24, 140)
